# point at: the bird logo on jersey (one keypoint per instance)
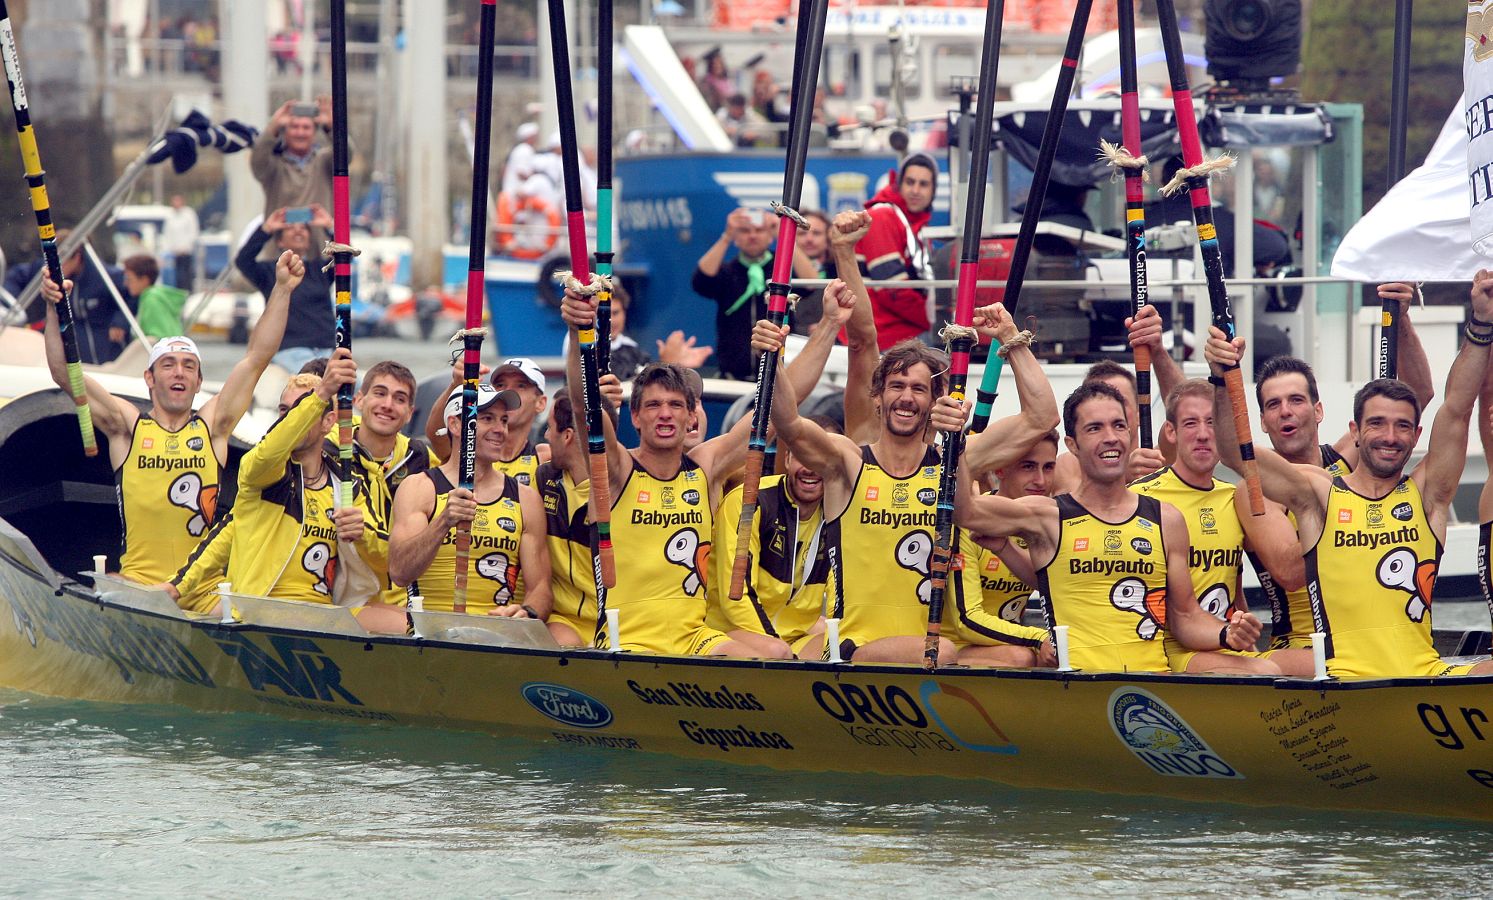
(1215, 601)
(685, 549)
(1130, 594)
(1012, 609)
(1400, 570)
(497, 567)
(318, 561)
(188, 493)
(912, 554)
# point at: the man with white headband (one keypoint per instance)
(167, 461)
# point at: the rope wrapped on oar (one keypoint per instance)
(1194, 177)
(330, 250)
(472, 334)
(1121, 159)
(1206, 169)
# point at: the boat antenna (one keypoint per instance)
(809, 46)
(961, 335)
(603, 564)
(1133, 165)
(41, 206)
(1399, 115)
(472, 333)
(340, 249)
(1194, 177)
(1041, 175)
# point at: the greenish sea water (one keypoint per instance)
(153, 801)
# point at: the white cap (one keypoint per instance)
(523, 366)
(487, 395)
(528, 130)
(554, 141)
(178, 344)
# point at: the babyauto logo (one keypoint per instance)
(567, 705)
(941, 717)
(1159, 738)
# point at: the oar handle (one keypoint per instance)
(601, 506)
(463, 567)
(749, 489)
(1234, 381)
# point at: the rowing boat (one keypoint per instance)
(1414, 745)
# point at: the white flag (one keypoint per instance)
(1477, 96)
(1419, 230)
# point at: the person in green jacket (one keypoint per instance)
(160, 305)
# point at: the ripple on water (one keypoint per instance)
(149, 801)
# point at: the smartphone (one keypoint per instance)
(298, 215)
(306, 110)
(757, 217)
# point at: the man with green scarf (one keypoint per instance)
(738, 286)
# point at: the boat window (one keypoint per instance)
(881, 75)
(842, 70)
(952, 61)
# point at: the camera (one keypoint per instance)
(1248, 42)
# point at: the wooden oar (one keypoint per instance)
(603, 565)
(1135, 208)
(471, 334)
(1195, 176)
(41, 207)
(1041, 175)
(1399, 121)
(342, 251)
(962, 335)
(809, 48)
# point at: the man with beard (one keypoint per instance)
(1112, 564)
(1376, 533)
(168, 461)
(879, 500)
(1219, 531)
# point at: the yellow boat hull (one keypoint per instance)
(1421, 746)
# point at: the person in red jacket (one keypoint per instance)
(892, 249)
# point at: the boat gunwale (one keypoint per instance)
(563, 656)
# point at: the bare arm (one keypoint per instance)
(534, 553)
(1439, 472)
(861, 424)
(415, 537)
(995, 516)
(1007, 439)
(805, 369)
(710, 263)
(1187, 621)
(225, 410)
(831, 455)
(1272, 539)
(1414, 367)
(111, 415)
(1284, 482)
(1485, 432)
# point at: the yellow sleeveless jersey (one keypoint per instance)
(1107, 583)
(523, 468)
(891, 518)
(1215, 546)
(572, 580)
(1372, 575)
(492, 579)
(661, 530)
(168, 496)
(1291, 611)
(312, 568)
(1005, 594)
(788, 578)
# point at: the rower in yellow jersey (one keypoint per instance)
(521, 457)
(286, 537)
(661, 517)
(507, 526)
(1218, 530)
(1375, 534)
(1005, 566)
(167, 462)
(564, 485)
(1112, 563)
(879, 500)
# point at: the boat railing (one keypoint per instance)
(180, 57)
